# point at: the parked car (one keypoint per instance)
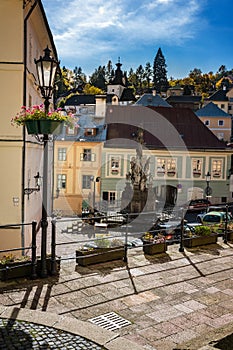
(198, 204)
(217, 208)
(216, 219)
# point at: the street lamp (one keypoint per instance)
(46, 67)
(208, 190)
(30, 190)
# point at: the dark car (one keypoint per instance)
(198, 204)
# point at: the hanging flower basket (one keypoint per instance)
(32, 127)
(196, 173)
(171, 173)
(39, 122)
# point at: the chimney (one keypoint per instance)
(153, 92)
(100, 105)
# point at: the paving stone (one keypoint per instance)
(15, 334)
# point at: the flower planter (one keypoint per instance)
(196, 174)
(154, 248)
(160, 173)
(200, 240)
(44, 126)
(230, 236)
(99, 255)
(23, 269)
(32, 127)
(14, 270)
(171, 173)
(47, 126)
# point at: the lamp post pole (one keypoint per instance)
(208, 190)
(97, 179)
(46, 70)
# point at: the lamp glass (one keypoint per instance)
(208, 177)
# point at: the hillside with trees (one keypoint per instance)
(143, 79)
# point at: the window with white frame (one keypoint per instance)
(90, 132)
(70, 131)
(166, 166)
(221, 123)
(61, 153)
(115, 165)
(216, 168)
(86, 181)
(112, 196)
(61, 181)
(87, 155)
(197, 167)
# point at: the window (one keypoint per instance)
(196, 167)
(166, 166)
(220, 122)
(109, 196)
(87, 155)
(207, 122)
(86, 182)
(90, 132)
(115, 165)
(217, 166)
(70, 131)
(62, 154)
(161, 165)
(61, 181)
(222, 106)
(112, 196)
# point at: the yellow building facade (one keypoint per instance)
(24, 34)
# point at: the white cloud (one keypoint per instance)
(83, 29)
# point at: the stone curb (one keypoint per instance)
(109, 339)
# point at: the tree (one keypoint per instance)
(92, 90)
(148, 74)
(160, 72)
(79, 77)
(64, 82)
(140, 75)
(98, 78)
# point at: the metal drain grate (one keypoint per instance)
(110, 321)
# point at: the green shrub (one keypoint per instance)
(203, 230)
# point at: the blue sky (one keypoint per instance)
(191, 33)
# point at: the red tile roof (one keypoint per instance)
(164, 127)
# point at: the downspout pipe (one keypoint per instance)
(24, 133)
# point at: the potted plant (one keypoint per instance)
(196, 173)
(37, 121)
(154, 244)
(15, 267)
(201, 235)
(171, 172)
(102, 250)
(160, 171)
(12, 267)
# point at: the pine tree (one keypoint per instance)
(160, 72)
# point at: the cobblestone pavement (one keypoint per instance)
(172, 301)
(27, 336)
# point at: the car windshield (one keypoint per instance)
(212, 218)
